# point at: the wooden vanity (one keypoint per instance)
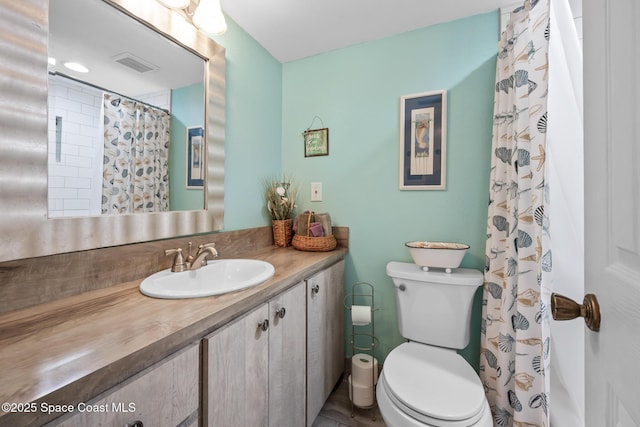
(114, 356)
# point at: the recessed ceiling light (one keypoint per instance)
(76, 67)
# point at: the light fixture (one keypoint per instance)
(76, 67)
(52, 61)
(207, 16)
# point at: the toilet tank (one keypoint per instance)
(434, 307)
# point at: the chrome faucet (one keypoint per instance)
(192, 262)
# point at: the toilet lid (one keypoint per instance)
(435, 382)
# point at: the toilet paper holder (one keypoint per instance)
(361, 304)
(360, 300)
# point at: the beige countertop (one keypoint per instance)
(68, 351)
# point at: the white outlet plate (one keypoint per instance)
(316, 191)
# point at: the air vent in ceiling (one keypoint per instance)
(135, 63)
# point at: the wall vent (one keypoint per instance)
(135, 63)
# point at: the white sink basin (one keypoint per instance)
(218, 277)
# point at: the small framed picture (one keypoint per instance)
(423, 141)
(195, 157)
(316, 142)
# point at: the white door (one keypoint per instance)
(612, 209)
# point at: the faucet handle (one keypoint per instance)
(178, 260)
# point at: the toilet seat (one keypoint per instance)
(433, 385)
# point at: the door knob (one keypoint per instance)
(563, 308)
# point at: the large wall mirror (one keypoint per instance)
(33, 223)
(126, 115)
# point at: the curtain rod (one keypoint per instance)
(106, 90)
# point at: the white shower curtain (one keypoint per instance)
(515, 332)
(565, 178)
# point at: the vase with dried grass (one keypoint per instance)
(281, 195)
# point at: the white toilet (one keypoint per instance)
(425, 382)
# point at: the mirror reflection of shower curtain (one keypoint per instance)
(136, 157)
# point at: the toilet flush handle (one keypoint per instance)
(402, 287)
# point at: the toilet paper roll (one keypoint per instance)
(364, 369)
(360, 315)
(360, 395)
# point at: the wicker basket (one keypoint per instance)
(313, 244)
(282, 232)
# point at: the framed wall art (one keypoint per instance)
(423, 141)
(195, 157)
(316, 142)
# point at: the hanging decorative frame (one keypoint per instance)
(316, 141)
(423, 142)
(195, 157)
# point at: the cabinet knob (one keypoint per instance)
(135, 424)
(280, 313)
(264, 325)
(315, 289)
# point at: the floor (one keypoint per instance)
(336, 412)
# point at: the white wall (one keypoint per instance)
(160, 99)
(72, 180)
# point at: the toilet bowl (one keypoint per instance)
(423, 385)
(425, 382)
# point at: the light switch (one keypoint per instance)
(316, 191)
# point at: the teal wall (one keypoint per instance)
(356, 92)
(253, 128)
(187, 110)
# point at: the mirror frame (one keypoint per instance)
(25, 229)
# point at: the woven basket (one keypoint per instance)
(282, 232)
(313, 244)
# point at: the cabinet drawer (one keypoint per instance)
(166, 394)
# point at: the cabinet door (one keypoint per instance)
(287, 362)
(235, 370)
(167, 394)
(325, 336)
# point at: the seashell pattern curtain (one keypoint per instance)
(136, 157)
(515, 331)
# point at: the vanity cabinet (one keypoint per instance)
(165, 394)
(325, 336)
(254, 367)
(273, 366)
